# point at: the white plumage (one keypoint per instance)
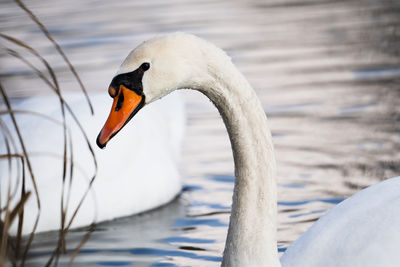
(138, 172)
(361, 231)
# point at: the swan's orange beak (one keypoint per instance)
(126, 104)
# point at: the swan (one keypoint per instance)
(362, 231)
(125, 181)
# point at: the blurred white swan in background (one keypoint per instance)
(138, 173)
(361, 231)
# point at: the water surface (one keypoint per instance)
(327, 73)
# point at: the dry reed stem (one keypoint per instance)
(60, 51)
(28, 164)
(67, 150)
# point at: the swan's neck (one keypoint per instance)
(251, 239)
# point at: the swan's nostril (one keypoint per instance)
(120, 101)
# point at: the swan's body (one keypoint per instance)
(121, 188)
(361, 231)
(162, 65)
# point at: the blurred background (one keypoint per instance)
(327, 73)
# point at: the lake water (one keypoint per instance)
(327, 73)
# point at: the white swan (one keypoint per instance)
(126, 183)
(162, 65)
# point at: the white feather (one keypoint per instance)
(363, 231)
(138, 171)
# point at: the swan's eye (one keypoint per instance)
(145, 66)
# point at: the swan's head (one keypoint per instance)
(151, 71)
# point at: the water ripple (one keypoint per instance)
(184, 222)
(333, 201)
(182, 239)
(114, 263)
(172, 253)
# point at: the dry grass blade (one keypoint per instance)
(21, 212)
(61, 247)
(63, 103)
(80, 245)
(43, 116)
(44, 78)
(7, 134)
(47, 81)
(24, 195)
(35, 53)
(7, 246)
(65, 208)
(71, 176)
(64, 231)
(19, 206)
(36, 70)
(54, 86)
(48, 35)
(67, 149)
(28, 164)
(7, 219)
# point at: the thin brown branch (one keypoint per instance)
(50, 37)
(53, 85)
(35, 53)
(81, 244)
(28, 163)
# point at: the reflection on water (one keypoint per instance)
(327, 73)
